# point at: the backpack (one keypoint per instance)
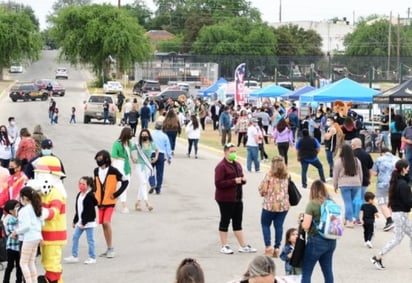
(331, 222)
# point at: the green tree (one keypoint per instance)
(141, 12)
(20, 8)
(172, 45)
(19, 38)
(66, 3)
(92, 34)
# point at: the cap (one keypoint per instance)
(158, 125)
(228, 145)
(46, 143)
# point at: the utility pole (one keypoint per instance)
(398, 48)
(119, 4)
(389, 46)
(280, 11)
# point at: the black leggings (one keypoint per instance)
(241, 139)
(396, 144)
(230, 211)
(283, 148)
(13, 260)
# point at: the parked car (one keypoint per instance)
(93, 108)
(16, 68)
(144, 86)
(112, 87)
(61, 73)
(166, 94)
(27, 91)
(58, 89)
(178, 85)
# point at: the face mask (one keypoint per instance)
(232, 156)
(12, 123)
(145, 138)
(328, 123)
(100, 163)
(12, 171)
(82, 188)
(46, 151)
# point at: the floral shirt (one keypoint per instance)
(275, 194)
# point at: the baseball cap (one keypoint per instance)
(46, 143)
(228, 145)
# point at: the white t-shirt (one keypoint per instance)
(252, 133)
(80, 200)
(103, 174)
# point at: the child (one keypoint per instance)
(367, 215)
(30, 224)
(13, 244)
(106, 179)
(286, 254)
(73, 116)
(84, 220)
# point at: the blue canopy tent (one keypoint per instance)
(344, 89)
(294, 95)
(213, 88)
(270, 91)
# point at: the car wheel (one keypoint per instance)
(44, 97)
(13, 99)
(86, 119)
(62, 94)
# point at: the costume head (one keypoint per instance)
(48, 173)
(342, 108)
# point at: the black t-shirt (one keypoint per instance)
(369, 211)
(367, 164)
(385, 119)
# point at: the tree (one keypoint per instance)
(141, 12)
(66, 3)
(19, 38)
(93, 34)
(20, 8)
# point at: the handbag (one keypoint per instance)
(299, 250)
(294, 194)
(152, 181)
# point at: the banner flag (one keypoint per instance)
(240, 73)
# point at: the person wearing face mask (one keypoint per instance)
(5, 147)
(14, 135)
(121, 156)
(333, 139)
(229, 179)
(46, 150)
(147, 155)
(106, 179)
(84, 220)
(14, 183)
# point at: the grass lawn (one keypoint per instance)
(211, 139)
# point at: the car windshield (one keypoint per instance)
(100, 99)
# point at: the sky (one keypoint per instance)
(292, 10)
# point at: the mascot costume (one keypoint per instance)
(341, 110)
(48, 174)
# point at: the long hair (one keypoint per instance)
(4, 137)
(318, 191)
(281, 125)
(399, 166)
(289, 233)
(400, 124)
(34, 198)
(140, 136)
(350, 166)
(278, 168)
(105, 157)
(189, 271)
(195, 122)
(125, 135)
(171, 121)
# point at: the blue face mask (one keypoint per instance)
(46, 151)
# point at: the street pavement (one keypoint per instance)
(150, 245)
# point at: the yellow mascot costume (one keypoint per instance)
(48, 173)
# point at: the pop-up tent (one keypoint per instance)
(270, 91)
(400, 94)
(213, 88)
(294, 95)
(344, 89)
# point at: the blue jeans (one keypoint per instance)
(408, 157)
(90, 241)
(252, 156)
(266, 219)
(318, 249)
(349, 194)
(386, 139)
(305, 164)
(358, 201)
(329, 158)
(145, 123)
(160, 167)
(172, 138)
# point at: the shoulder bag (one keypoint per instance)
(299, 250)
(294, 194)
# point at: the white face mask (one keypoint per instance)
(12, 123)
(329, 123)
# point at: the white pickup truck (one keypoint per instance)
(93, 108)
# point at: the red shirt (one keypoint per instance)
(226, 187)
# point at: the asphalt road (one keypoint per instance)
(150, 245)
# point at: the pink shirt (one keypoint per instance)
(284, 136)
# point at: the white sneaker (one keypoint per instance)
(247, 249)
(71, 259)
(226, 250)
(110, 253)
(369, 244)
(90, 261)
